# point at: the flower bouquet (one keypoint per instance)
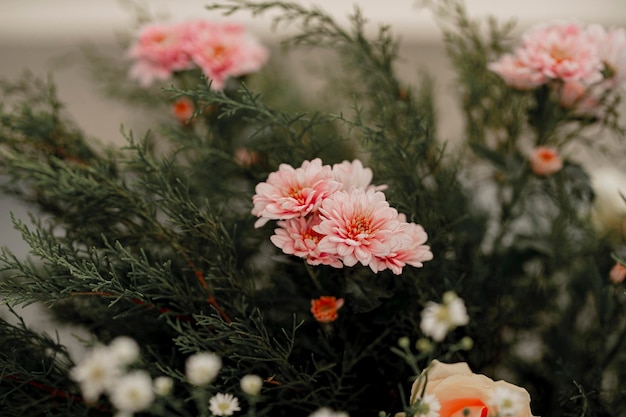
(263, 252)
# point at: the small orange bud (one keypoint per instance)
(545, 161)
(325, 308)
(183, 109)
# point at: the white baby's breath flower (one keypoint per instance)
(435, 321)
(96, 372)
(125, 349)
(508, 403)
(427, 406)
(202, 368)
(132, 392)
(223, 404)
(439, 319)
(163, 385)
(457, 311)
(327, 412)
(251, 384)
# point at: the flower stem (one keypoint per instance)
(313, 276)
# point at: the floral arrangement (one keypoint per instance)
(238, 260)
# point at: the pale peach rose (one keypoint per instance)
(618, 273)
(463, 393)
(545, 161)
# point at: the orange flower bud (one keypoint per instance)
(183, 109)
(325, 308)
(545, 161)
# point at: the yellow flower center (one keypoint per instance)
(359, 225)
(559, 55)
(443, 314)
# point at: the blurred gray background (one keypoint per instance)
(44, 36)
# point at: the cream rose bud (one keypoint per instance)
(463, 393)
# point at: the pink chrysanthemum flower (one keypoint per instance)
(297, 237)
(290, 193)
(611, 47)
(158, 53)
(563, 51)
(353, 174)
(517, 73)
(581, 99)
(223, 51)
(545, 161)
(585, 98)
(358, 226)
(410, 250)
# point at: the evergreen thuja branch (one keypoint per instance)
(32, 121)
(405, 164)
(372, 59)
(34, 374)
(189, 223)
(90, 202)
(251, 344)
(400, 132)
(296, 131)
(66, 274)
(67, 269)
(493, 112)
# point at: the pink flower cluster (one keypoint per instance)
(333, 216)
(220, 50)
(585, 62)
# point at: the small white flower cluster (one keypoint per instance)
(104, 370)
(202, 368)
(439, 319)
(427, 406)
(223, 404)
(506, 402)
(327, 412)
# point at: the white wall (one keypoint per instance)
(60, 20)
